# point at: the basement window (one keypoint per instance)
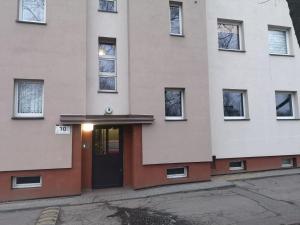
(177, 172)
(236, 165)
(27, 182)
(287, 163)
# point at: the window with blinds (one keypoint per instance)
(278, 41)
(29, 98)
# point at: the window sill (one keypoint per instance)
(175, 120)
(32, 22)
(237, 119)
(100, 10)
(231, 50)
(273, 54)
(27, 118)
(177, 35)
(283, 119)
(108, 92)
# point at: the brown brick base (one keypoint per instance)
(58, 182)
(221, 166)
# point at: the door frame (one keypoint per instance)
(121, 146)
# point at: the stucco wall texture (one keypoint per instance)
(54, 52)
(257, 72)
(158, 61)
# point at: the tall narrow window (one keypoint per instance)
(29, 98)
(108, 5)
(234, 104)
(176, 18)
(107, 65)
(32, 11)
(279, 41)
(284, 104)
(174, 104)
(229, 35)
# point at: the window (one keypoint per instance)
(32, 11)
(279, 41)
(29, 96)
(107, 65)
(229, 35)
(108, 5)
(284, 104)
(287, 163)
(27, 182)
(236, 165)
(176, 18)
(177, 172)
(234, 104)
(174, 104)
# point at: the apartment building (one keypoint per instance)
(111, 93)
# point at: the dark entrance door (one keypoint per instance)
(107, 157)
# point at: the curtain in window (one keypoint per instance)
(278, 42)
(33, 10)
(30, 94)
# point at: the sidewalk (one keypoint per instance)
(115, 194)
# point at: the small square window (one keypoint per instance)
(32, 11)
(230, 35)
(285, 104)
(279, 41)
(108, 5)
(174, 173)
(287, 163)
(29, 98)
(236, 165)
(26, 182)
(174, 109)
(176, 18)
(107, 65)
(234, 102)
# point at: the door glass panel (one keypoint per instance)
(113, 141)
(100, 144)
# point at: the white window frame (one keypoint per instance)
(182, 117)
(104, 74)
(179, 175)
(179, 5)
(287, 37)
(293, 94)
(16, 101)
(28, 185)
(240, 30)
(20, 13)
(287, 165)
(245, 108)
(115, 6)
(236, 168)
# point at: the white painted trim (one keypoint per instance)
(28, 185)
(240, 30)
(179, 175)
(20, 13)
(179, 5)
(245, 108)
(293, 94)
(16, 101)
(242, 167)
(182, 117)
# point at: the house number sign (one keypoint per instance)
(63, 129)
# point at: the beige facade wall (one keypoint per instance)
(158, 61)
(111, 25)
(257, 72)
(55, 53)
